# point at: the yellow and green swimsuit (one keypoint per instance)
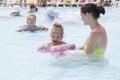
(96, 51)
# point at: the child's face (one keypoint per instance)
(56, 38)
(31, 20)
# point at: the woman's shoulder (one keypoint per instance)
(94, 34)
(97, 30)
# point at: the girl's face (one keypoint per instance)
(31, 20)
(56, 38)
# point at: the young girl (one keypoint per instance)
(31, 25)
(56, 46)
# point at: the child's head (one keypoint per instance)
(50, 10)
(16, 8)
(31, 19)
(57, 33)
(50, 13)
(33, 8)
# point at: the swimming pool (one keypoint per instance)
(19, 59)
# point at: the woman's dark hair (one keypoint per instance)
(93, 9)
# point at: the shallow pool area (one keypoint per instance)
(20, 60)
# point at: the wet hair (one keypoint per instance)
(57, 28)
(31, 15)
(93, 9)
(32, 6)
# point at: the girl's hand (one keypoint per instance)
(19, 30)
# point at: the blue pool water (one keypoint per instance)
(19, 59)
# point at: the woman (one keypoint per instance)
(97, 40)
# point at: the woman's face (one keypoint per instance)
(56, 38)
(31, 20)
(84, 18)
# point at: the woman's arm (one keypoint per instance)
(91, 43)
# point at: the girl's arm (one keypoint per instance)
(44, 47)
(43, 28)
(23, 29)
(40, 48)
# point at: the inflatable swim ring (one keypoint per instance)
(33, 31)
(60, 48)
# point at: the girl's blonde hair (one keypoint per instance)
(57, 28)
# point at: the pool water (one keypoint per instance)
(19, 59)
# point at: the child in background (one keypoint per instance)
(31, 25)
(51, 15)
(33, 8)
(56, 46)
(16, 11)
